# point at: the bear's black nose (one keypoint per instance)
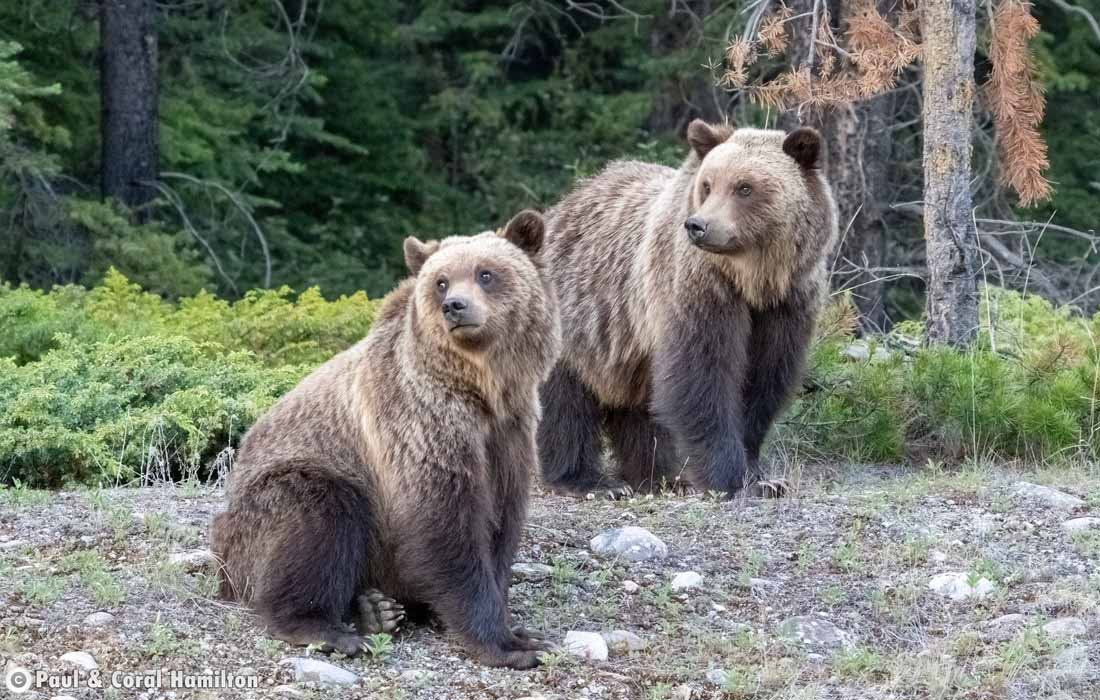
(696, 227)
(453, 308)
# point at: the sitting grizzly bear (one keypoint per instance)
(397, 473)
(689, 297)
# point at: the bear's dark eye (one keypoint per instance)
(441, 285)
(706, 189)
(745, 189)
(485, 277)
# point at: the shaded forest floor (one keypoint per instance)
(847, 559)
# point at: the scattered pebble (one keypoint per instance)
(1005, 627)
(414, 676)
(631, 587)
(288, 690)
(195, 560)
(98, 619)
(814, 632)
(1081, 524)
(12, 544)
(958, 585)
(1047, 496)
(588, 645)
(631, 542)
(623, 641)
(682, 692)
(316, 671)
(528, 571)
(80, 659)
(686, 580)
(1066, 628)
(716, 676)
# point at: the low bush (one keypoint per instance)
(113, 384)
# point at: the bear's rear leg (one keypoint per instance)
(320, 632)
(317, 530)
(378, 613)
(644, 451)
(569, 438)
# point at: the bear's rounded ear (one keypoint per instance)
(416, 252)
(703, 137)
(804, 145)
(526, 231)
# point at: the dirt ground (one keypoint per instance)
(853, 550)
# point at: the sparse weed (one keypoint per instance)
(44, 590)
(379, 646)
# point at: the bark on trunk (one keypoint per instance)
(128, 91)
(859, 152)
(947, 31)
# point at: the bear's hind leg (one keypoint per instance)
(643, 449)
(318, 535)
(378, 613)
(569, 437)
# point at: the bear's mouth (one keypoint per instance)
(463, 328)
(719, 249)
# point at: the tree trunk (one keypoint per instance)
(128, 93)
(947, 31)
(859, 152)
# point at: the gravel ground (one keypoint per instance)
(824, 593)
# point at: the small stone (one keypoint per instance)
(1066, 628)
(632, 543)
(12, 544)
(631, 587)
(959, 586)
(315, 671)
(98, 619)
(588, 645)
(716, 676)
(623, 641)
(1047, 496)
(527, 571)
(1071, 665)
(859, 351)
(288, 690)
(80, 659)
(937, 556)
(1005, 627)
(1081, 525)
(686, 580)
(414, 676)
(193, 561)
(983, 524)
(62, 697)
(815, 658)
(682, 692)
(814, 632)
(762, 584)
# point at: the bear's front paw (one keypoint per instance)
(379, 613)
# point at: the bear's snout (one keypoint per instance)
(456, 310)
(696, 228)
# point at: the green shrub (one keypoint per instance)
(115, 410)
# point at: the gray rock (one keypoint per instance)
(958, 586)
(623, 641)
(12, 544)
(1005, 627)
(288, 690)
(716, 676)
(80, 659)
(1047, 496)
(682, 692)
(1081, 525)
(686, 580)
(588, 645)
(528, 571)
(99, 619)
(858, 351)
(762, 585)
(414, 676)
(632, 543)
(195, 560)
(814, 632)
(1071, 665)
(1066, 628)
(62, 697)
(631, 587)
(316, 671)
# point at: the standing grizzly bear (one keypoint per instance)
(397, 473)
(689, 297)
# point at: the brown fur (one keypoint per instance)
(402, 464)
(667, 341)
